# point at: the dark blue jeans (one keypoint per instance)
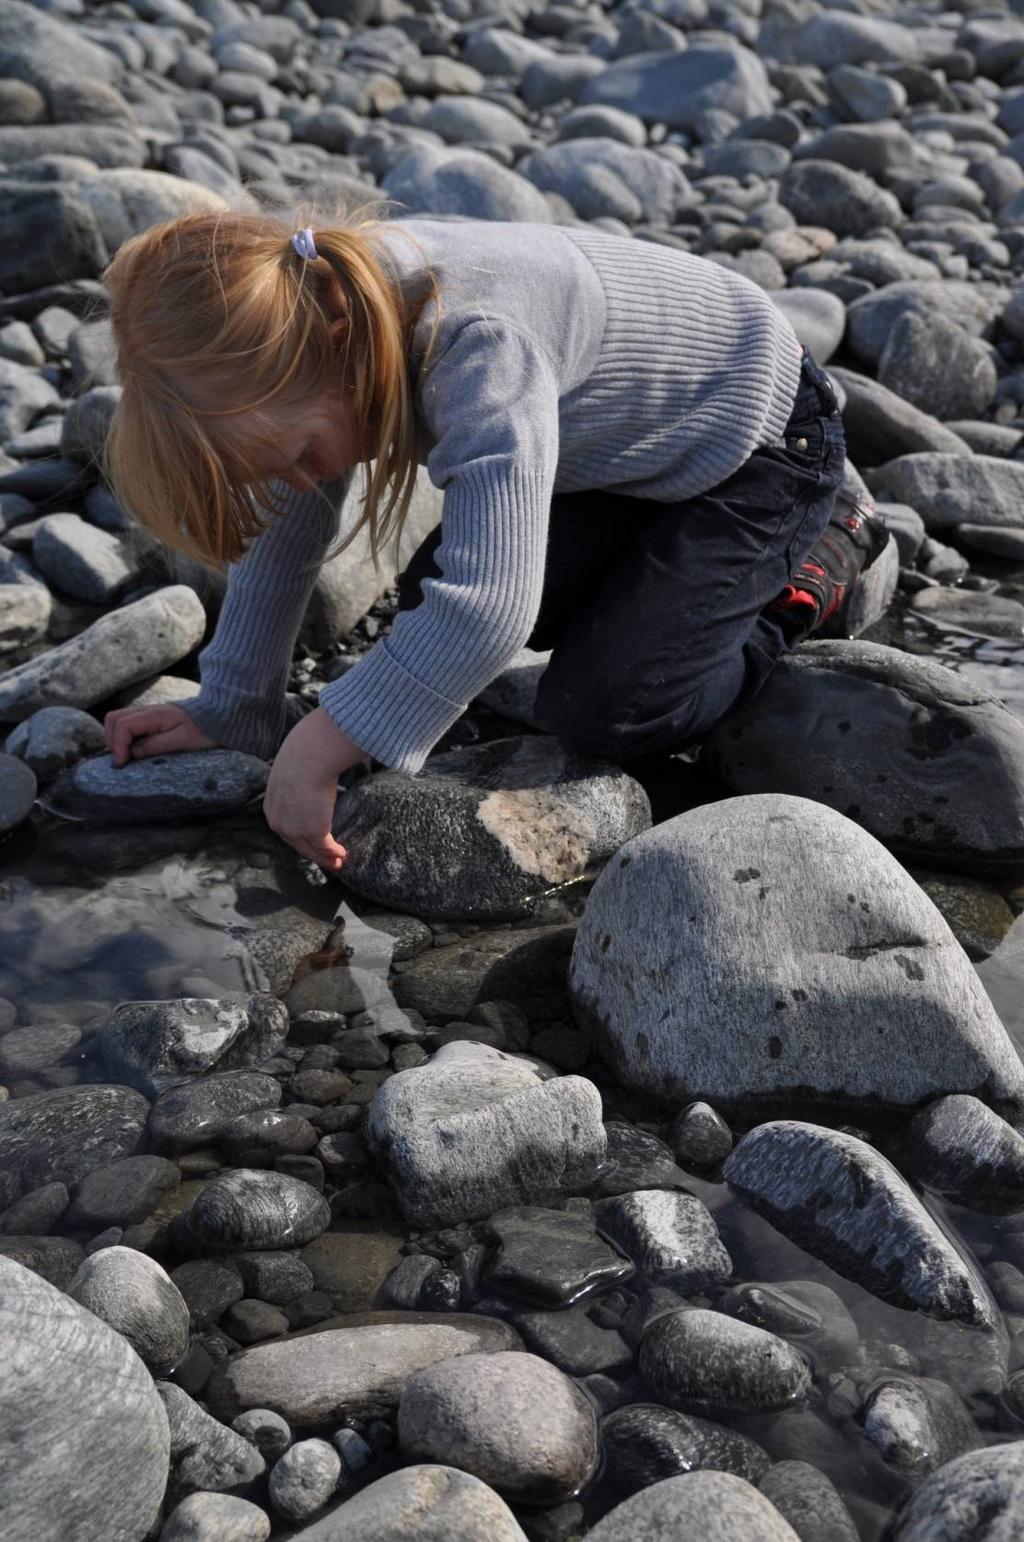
(655, 612)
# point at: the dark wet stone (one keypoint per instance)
(275, 1277)
(442, 1292)
(977, 913)
(807, 1313)
(873, 1229)
(351, 1262)
(245, 1209)
(974, 1498)
(962, 1149)
(636, 1160)
(133, 1294)
(522, 966)
(205, 1454)
(27, 1050)
(191, 1116)
(17, 792)
(209, 1288)
(810, 1502)
(250, 1322)
(502, 822)
(550, 1256)
(574, 1342)
(162, 789)
(695, 1504)
(61, 1136)
(74, 1399)
(36, 1214)
(700, 1136)
(403, 1285)
(266, 1132)
(319, 1378)
(917, 1424)
(704, 1362)
(667, 1236)
(319, 1086)
(54, 1259)
(266, 1430)
(122, 1192)
(158, 1044)
(645, 1443)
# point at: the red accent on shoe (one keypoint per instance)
(837, 599)
(853, 522)
(792, 596)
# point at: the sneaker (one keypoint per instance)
(822, 593)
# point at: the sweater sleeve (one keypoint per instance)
(244, 668)
(491, 403)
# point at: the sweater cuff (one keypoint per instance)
(241, 725)
(390, 714)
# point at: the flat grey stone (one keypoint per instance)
(53, 738)
(932, 363)
(44, 50)
(975, 1496)
(24, 392)
(570, 1339)
(677, 88)
(871, 318)
(822, 192)
(461, 1138)
(444, 181)
(18, 790)
(205, 1454)
(517, 965)
(917, 1424)
(874, 1230)
(304, 1478)
(75, 1398)
(480, 832)
(209, 1517)
(36, 1213)
(962, 1149)
(510, 1419)
(25, 611)
(83, 562)
(993, 540)
(323, 1377)
(645, 1443)
(703, 1362)
(153, 1045)
(553, 1257)
(208, 1286)
(715, 1506)
(809, 1501)
(906, 527)
(54, 1259)
(62, 1135)
(161, 789)
(987, 615)
(193, 1115)
(245, 1208)
(130, 644)
(887, 738)
(602, 178)
(121, 1193)
(703, 968)
(132, 1294)
(420, 1504)
(667, 1236)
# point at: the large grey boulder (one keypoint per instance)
(449, 181)
(465, 1135)
(817, 316)
(480, 832)
(950, 490)
(48, 235)
(83, 1430)
(24, 394)
(677, 88)
(840, 1200)
(707, 1363)
(53, 738)
(161, 789)
(844, 201)
(715, 1506)
(974, 1498)
(719, 957)
(881, 425)
(890, 740)
(935, 365)
(127, 645)
(323, 1377)
(126, 199)
(599, 177)
(512, 1420)
(153, 1045)
(44, 50)
(420, 1504)
(870, 320)
(206, 1455)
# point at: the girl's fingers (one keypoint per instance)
(135, 725)
(154, 744)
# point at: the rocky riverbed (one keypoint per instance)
(637, 1161)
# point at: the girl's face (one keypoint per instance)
(307, 445)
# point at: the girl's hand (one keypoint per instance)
(135, 732)
(303, 787)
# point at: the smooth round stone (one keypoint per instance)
(206, 1453)
(804, 1312)
(700, 1136)
(17, 792)
(216, 1518)
(636, 1159)
(54, 1259)
(133, 1294)
(484, 830)
(959, 1147)
(704, 1362)
(279, 1278)
(264, 1429)
(61, 1136)
(187, 1117)
(714, 1506)
(157, 1044)
(272, 1130)
(160, 790)
(304, 1478)
(917, 1424)
(809, 1501)
(644, 1443)
(250, 1321)
(993, 540)
(246, 1209)
(667, 1236)
(209, 1287)
(974, 1498)
(124, 1192)
(75, 1399)
(37, 1213)
(512, 1420)
(420, 1504)
(26, 1050)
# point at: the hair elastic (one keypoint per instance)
(302, 241)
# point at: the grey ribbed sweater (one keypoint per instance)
(567, 358)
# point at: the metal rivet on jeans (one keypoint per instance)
(801, 443)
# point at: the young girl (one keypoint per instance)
(639, 464)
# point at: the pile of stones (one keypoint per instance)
(630, 1161)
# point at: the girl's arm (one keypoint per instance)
(244, 668)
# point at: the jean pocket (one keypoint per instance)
(806, 442)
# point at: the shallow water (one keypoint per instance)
(92, 918)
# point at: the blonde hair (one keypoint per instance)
(216, 315)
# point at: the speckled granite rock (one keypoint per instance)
(242, 1209)
(420, 1504)
(156, 1044)
(132, 1294)
(974, 1498)
(160, 789)
(60, 1136)
(715, 1506)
